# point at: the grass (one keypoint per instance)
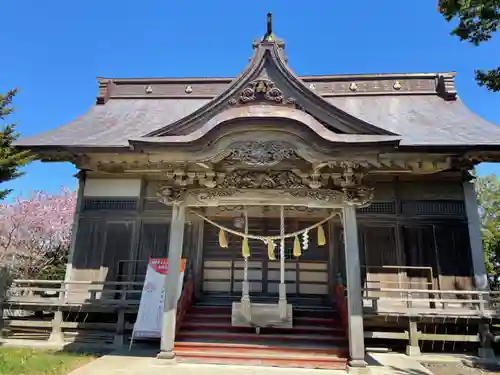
(38, 362)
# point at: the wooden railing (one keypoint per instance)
(57, 296)
(341, 302)
(399, 271)
(67, 293)
(415, 302)
(185, 302)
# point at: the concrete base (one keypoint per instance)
(167, 358)
(413, 351)
(485, 353)
(56, 338)
(358, 366)
(118, 341)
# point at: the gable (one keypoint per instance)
(268, 80)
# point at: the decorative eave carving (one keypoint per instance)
(261, 89)
(320, 198)
(271, 187)
(170, 195)
(242, 179)
(359, 196)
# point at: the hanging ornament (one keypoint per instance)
(222, 239)
(321, 236)
(305, 240)
(270, 249)
(297, 252)
(245, 249)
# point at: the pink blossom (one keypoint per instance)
(31, 228)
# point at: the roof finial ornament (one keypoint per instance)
(269, 30)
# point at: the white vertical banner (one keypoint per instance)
(150, 316)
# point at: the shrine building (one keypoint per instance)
(316, 213)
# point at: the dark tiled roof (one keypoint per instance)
(115, 122)
(423, 120)
(418, 109)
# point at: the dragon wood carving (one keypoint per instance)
(256, 180)
(261, 153)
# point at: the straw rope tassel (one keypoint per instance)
(222, 239)
(270, 250)
(245, 249)
(321, 236)
(297, 251)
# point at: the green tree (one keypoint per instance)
(477, 21)
(11, 159)
(488, 194)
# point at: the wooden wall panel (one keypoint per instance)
(88, 249)
(431, 190)
(154, 239)
(303, 274)
(443, 248)
(116, 250)
(419, 252)
(380, 250)
(454, 258)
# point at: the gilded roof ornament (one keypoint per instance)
(268, 36)
(353, 86)
(397, 85)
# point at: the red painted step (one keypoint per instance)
(282, 348)
(299, 320)
(250, 359)
(317, 340)
(218, 335)
(194, 325)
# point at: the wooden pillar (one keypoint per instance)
(353, 281)
(76, 220)
(172, 282)
(198, 265)
(478, 261)
(476, 242)
(56, 335)
(413, 349)
(333, 260)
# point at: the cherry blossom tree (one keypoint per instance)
(35, 233)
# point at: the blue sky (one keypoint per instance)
(53, 51)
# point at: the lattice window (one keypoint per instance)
(94, 204)
(379, 208)
(441, 208)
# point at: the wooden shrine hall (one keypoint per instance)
(318, 214)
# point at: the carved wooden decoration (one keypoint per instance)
(261, 153)
(262, 180)
(263, 90)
